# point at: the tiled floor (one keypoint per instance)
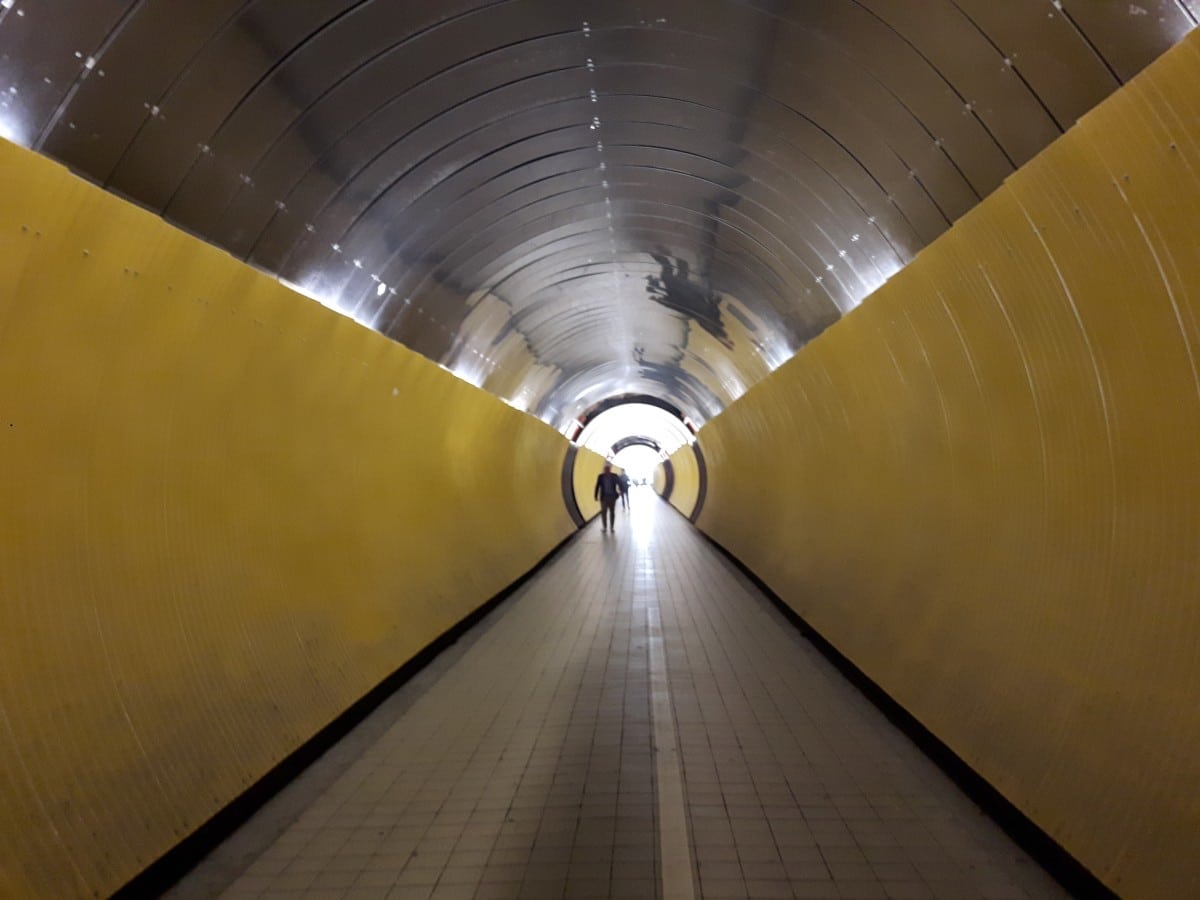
(523, 763)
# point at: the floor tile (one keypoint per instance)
(522, 762)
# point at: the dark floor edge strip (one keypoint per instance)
(171, 867)
(1068, 871)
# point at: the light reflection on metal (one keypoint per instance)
(12, 129)
(878, 273)
(561, 212)
(329, 301)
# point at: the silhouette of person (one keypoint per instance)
(624, 490)
(608, 488)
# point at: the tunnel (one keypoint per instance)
(307, 308)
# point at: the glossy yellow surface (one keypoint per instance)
(981, 485)
(225, 514)
(687, 480)
(588, 464)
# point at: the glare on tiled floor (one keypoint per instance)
(527, 768)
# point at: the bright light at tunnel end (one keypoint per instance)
(629, 420)
(639, 462)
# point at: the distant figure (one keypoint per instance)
(624, 490)
(608, 489)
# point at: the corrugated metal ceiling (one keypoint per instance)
(560, 200)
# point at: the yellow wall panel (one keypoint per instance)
(686, 490)
(226, 513)
(979, 486)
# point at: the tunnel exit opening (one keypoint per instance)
(615, 428)
(639, 460)
(637, 434)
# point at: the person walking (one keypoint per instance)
(608, 489)
(624, 491)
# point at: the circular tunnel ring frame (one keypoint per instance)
(702, 485)
(568, 487)
(622, 399)
(668, 480)
(635, 441)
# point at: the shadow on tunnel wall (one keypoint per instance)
(227, 514)
(979, 487)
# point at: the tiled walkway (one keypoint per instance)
(522, 763)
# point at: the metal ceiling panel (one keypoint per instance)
(43, 59)
(564, 200)
(131, 68)
(1128, 35)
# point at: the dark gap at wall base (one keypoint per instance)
(171, 867)
(1069, 872)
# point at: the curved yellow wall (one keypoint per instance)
(686, 490)
(225, 514)
(660, 480)
(981, 486)
(588, 465)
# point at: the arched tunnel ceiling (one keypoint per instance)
(565, 200)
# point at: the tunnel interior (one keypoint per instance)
(313, 301)
(562, 202)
